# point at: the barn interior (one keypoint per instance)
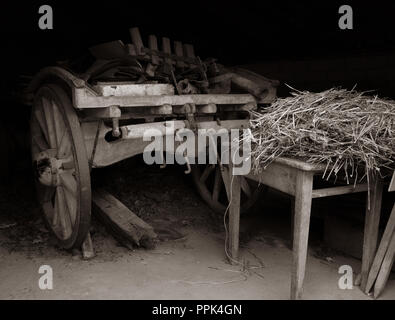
(299, 44)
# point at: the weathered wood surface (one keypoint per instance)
(84, 99)
(125, 226)
(385, 269)
(304, 186)
(381, 252)
(334, 191)
(88, 251)
(372, 219)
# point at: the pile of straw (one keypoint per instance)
(348, 131)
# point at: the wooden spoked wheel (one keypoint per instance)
(210, 185)
(60, 166)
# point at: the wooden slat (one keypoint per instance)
(385, 269)
(153, 45)
(166, 49)
(334, 191)
(178, 50)
(131, 49)
(136, 39)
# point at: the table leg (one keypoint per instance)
(372, 219)
(234, 219)
(304, 186)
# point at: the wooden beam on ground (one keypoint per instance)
(124, 225)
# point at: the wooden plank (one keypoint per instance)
(382, 250)
(372, 219)
(178, 50)
(153, 45)
(107, 89)
(125, 226)
(304, 185)
(84, 99)
(234, 217)
(136, 39)
(386, 268)
(166, 49)
(131, 49)
(334, 191)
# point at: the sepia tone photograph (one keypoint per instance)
(205, 152)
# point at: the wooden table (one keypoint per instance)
(295, 178)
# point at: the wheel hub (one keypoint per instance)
(47, 168)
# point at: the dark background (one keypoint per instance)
(298, 35)
(296, 42)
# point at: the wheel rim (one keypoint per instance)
(210, 185)
(60, 166)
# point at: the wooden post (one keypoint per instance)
(234, 217)
(233, 189)
(383, 248)
(137, 41)
(304, 186)
(385, 270)
(372, 219)
(87, 248)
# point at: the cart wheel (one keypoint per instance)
(60, 166)
(210, 185)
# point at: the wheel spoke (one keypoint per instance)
(40, 143)
(50, 122)
(64, 218)
(217, 183)
(59, 126)
(64, 150)
(245, 186)
(206, 172)
(39, 115)
(68, 182)
(71, 201)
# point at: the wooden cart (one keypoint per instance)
(77, 126)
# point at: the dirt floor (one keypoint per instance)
(189, 260)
